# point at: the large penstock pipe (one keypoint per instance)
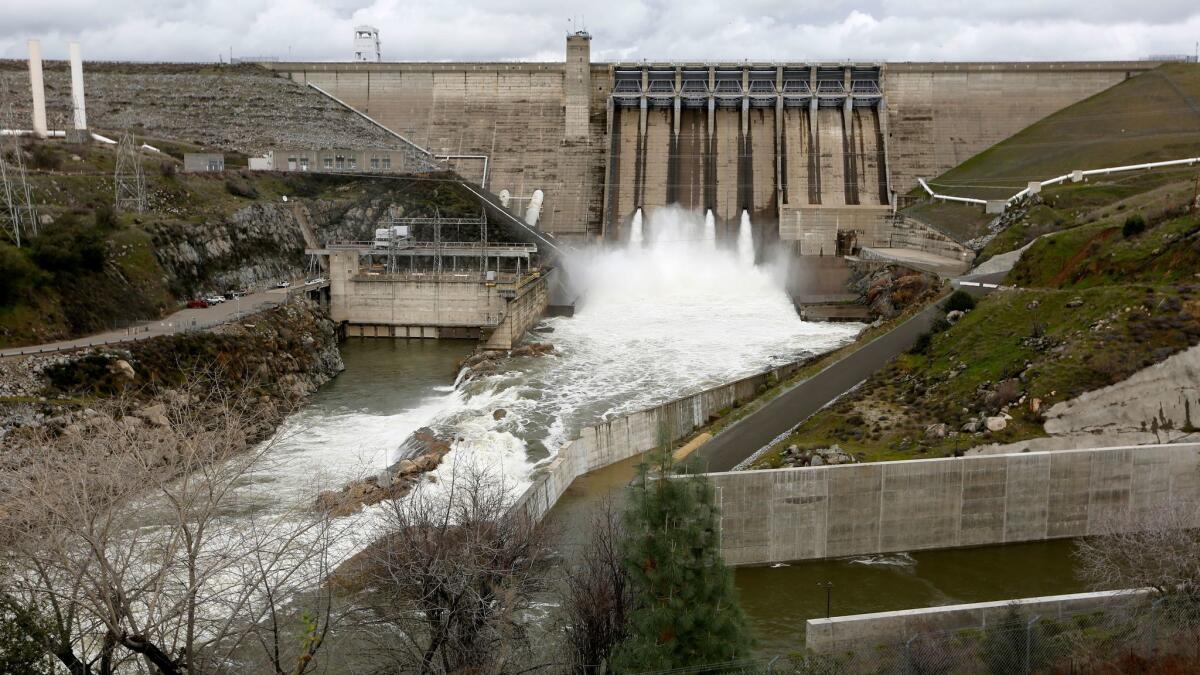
(38, 89)
(77, 87)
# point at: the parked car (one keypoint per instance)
(197, 304)
(283, 284)
(237, 294)
(318, 280)
(215, 299)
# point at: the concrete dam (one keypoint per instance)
(812, 151)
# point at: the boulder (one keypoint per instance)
(155, 414)
(954, 316)
(500, 414)
(936, 431)
(970, 427)
(817, 460)
(1075, 302)
(122, 368)
(406, 467)
(996, 423)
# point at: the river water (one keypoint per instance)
(674, 314)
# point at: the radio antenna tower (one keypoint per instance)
(129, 179)
(19, 214)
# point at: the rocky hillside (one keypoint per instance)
(242, 108)
(283, 354)
(90, 269)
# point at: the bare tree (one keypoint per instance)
(451, 580)
(129, 533)
(598, 596)
(1155, 547)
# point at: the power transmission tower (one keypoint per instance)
(19, 215)
(129, 179)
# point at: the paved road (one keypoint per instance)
(183, 320)
(745, 437)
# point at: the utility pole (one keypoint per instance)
(130, 182)
(19, 212)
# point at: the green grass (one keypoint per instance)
(961, 222)
(1168, 252)
(1061, 351)
(1143, 119)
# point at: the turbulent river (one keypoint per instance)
(667, 315)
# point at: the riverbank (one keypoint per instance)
(281, 355)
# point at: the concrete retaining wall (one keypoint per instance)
(622, 438)
(826, 512)
(858, 632)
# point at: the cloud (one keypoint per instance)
(699, 30)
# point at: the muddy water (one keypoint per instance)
(778, 600)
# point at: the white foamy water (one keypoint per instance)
(672, 316)
(745, 241)
(635, 231)
(710, 230)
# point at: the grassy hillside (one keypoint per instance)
(1150, 117)
(1014, 347)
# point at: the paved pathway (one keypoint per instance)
(183, 320)
(757, 430)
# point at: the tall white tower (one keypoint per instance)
(366, 43)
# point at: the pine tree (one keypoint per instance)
(685, 605)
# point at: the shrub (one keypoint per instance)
(167, 169)
(17, 274)
(939, 325)
(240, 188)
(1134, 225)
(960, 301)
(106, 218)
(921, 346)
(45, 157)
(69, 247)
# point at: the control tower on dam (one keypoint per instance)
(809, 149)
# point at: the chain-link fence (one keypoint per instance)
(1162, 637)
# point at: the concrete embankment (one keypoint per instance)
(604, 444)
(832, 511)
(861, 632)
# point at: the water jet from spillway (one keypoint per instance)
(710, 231)
(635, 230)
(745, 241)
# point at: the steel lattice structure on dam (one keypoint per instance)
(810, 150)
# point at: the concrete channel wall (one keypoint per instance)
(858, 632)
(856, 509)
(604, 444)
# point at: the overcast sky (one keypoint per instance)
(702, 30)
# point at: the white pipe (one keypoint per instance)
(30, 132)
(1065, 177)
(38, 88)
(948, 198)
(77, 87)
(103, 139)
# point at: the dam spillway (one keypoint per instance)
(780, 143)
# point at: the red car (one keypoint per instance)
(197, 304)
